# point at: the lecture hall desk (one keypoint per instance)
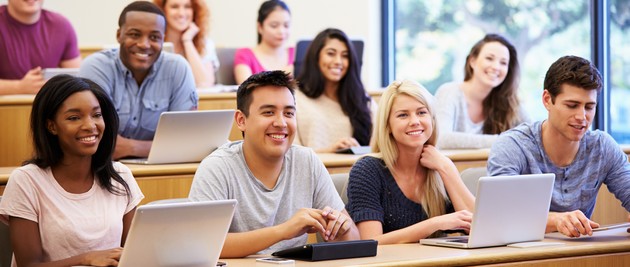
(606, 248)
(15, 110)
(174, 180)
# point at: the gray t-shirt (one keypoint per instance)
(599, 160)
(304, 182)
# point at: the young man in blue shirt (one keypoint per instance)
(142, 81)
(581, 159)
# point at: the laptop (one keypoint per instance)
(183, 234)
(302, 47)
(52, 72)
(508, 209)
(187, 136)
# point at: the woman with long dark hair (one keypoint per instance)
(335, 111)
(474, 112)
(70, 204)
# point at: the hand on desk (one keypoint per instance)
(337, 224)
(572, 223)
(304, 221)
(32, 81)
(328, 222)
(108, 257)
(126, 147)
(457, 220)
(342, 143)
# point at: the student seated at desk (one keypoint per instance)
(142, 81)
(187, 28)
(409, 190)
(283, 191)
(70, 204)
(271, 53)
(581, 159)
(32, 39)
(335, 110)
(474, 112)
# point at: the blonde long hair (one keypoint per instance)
(384, 145)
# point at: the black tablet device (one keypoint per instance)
(330, 250)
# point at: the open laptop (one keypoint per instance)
(51, 72)
(187, 136)
(508, 209)
(183, 234)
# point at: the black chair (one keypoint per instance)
(225, 73)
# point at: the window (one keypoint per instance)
(433, 37)
(619, 70)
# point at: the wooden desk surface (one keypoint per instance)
(606, 248)
(15, 112)
(174, 180)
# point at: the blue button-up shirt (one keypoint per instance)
(598, 161)
(169, 86)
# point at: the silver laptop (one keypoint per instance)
(508, 209)
(184, 234)
(51, 72)
(187, 136)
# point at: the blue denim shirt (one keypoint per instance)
(598, 160)
(169, 86)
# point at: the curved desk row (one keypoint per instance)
(15, 112)
(606, 248)
(174, 180)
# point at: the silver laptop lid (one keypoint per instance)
(178, 234)
(511, 209)
(189, 136)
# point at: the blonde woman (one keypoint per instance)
(407, 190)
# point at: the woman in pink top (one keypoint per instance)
(70, 204)
(271, 53)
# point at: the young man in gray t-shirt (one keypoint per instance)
(580, 158)
(283, 191)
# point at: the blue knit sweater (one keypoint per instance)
(374, 195)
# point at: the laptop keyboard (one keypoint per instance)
(463, 239)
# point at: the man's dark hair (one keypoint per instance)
(142, 6)
(265, 78)
(574, 71)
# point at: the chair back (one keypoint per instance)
(341, 184)
(470, 177)
(225, 74)
(5, 242)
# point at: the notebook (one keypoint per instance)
(51, 72)
(183, 234)
(187, 136)
(508, 209)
